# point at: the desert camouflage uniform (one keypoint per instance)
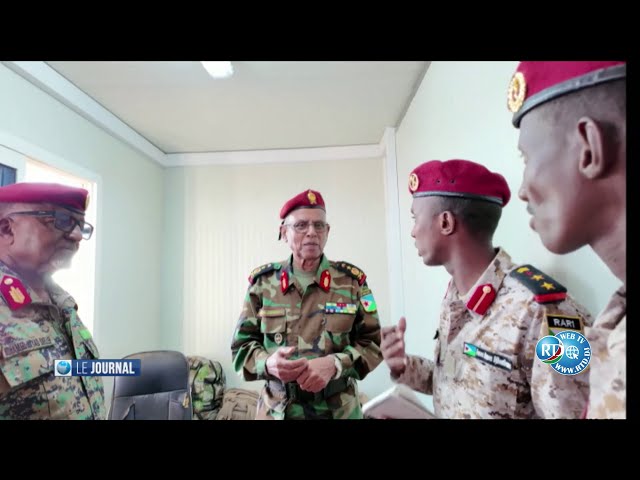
(608, 367)
(271, 319)
(514, 384)
(31, 338)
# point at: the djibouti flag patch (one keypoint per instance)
(368, 303)
(470, 349)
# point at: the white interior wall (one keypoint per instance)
(223, 221)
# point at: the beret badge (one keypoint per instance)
(517, 92)
(413, 182)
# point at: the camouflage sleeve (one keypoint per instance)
(247, 350)
(554, 395)
(417, 375)
(363, 354)
(608, 394)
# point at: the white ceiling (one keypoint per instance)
(179, 108)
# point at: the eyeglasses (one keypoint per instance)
(302, 227)
(63, 221)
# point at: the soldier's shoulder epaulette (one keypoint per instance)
(14, 292)
(350, 270)
(261, 270)
(545, 289)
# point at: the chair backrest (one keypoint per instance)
(161, 392)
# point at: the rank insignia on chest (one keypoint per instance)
(346, 308)
(14, 292)
(561, 323)
(481, 299)
(325, 280)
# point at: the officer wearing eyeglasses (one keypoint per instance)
(41, 226)
(309, 326)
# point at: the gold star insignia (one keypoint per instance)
(537, 277)
(523, 269)
(548, 286)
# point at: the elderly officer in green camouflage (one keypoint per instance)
(484, 363)
(309, 326)
(41, 226)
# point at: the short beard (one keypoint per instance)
(61, 261)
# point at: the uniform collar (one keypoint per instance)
(324, 265)
(60, 297)
(492, 277)
(7, 275)
(287, 266)
(614, 311)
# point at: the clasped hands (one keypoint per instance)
(312, 375)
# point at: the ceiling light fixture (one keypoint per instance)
(218, 69)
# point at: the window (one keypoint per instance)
(7, 175)
(79, 279)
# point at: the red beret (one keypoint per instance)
(306, 199)
(458, 178)
(535, 83)
(72, 198)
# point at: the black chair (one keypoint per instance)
(161, 392)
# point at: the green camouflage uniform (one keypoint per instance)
(342, 321)
(31, 338)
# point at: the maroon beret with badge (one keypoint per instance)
(535, 83)
(72, 198)
(306, 199)
(458, 178)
